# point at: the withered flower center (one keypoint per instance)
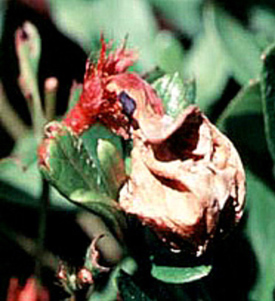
(182, 143)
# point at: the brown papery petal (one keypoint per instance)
(184, 176)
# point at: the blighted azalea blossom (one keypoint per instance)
(187, 184)
(187, 181)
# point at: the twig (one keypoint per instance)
(29, 246)
(10, 119)
(43, 209)
(28, 49)
(50, 88)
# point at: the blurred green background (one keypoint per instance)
(219, 44)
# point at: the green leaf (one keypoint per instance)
(242, 120)
(25, 150)
(96, 132)
(112, 166)
(2, 14)
(175, 94)
(208, 64)
(106, 150)
(239, 45)
(83, 21)
(89, 177)
(260, 230)
(247, 101)
(20, 179)
(184, 14)
(23, 186)
(178, 275)
(243, 123)
(262, 22)
(69, 166)
(169, 52)
(76, 166)
(153, 75)
(268, 95)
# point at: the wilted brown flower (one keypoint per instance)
(187, 182)
(187, 179)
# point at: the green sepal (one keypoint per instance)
(176, 95)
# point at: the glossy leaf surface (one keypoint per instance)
(179, 274)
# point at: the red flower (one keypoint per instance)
(113, 96)
(186, 183)
(30, 292)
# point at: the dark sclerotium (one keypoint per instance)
(128, 104)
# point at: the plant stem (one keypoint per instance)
(51, 85)
(43, 209)
(10, 119)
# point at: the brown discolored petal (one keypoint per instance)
(183, 178)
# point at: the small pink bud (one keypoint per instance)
(51, 84)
